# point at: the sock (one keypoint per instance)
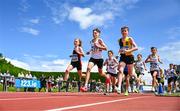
(86, 85)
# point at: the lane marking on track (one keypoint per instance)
(94, 104)
(14, 99)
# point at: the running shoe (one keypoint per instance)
(126, 93)
(118, 90)
(136, 90)
(83, 89)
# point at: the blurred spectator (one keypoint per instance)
(12, 81)
(98, 85)
(59, 81)
(67, 85)
(21, 75)
(49, 84)
(92, 85)
(6, 77)
(34, 77)
(1, 79)
(42, 82)
(175, 78)
(74, 83)
(29, 75)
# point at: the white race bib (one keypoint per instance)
(74, 58)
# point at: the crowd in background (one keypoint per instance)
(50, 83)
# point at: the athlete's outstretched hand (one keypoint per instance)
(87, 53)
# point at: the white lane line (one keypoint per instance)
(14, 99)
(93, 104)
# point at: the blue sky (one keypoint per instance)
(39, 34)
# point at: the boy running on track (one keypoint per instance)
(75, 60)
(175, 78)
(170, 75)
(112, 64)
(140, 68)
(97, 45)
(154, 61)
(127, 47)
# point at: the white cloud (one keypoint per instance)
(170, 53)
(30, 30)
(174, 32)
(34, 21)
(31, 62)
(60, 61)
(19, 63)
(86, 18)
(58, 9)
(96, 13)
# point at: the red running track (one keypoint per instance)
(20, 101)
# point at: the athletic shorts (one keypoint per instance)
(127, 59)
(157, 76)
(98, 62)
(77, 65)
(171, 79)
(152, 72)
(112, 74)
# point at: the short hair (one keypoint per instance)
(110, 51)
(125, 27)
(139, 55)
(153, 48)
(171, 64)
(97, 30)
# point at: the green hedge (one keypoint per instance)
(5, 65)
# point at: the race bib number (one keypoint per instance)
(94, 49)
(111, 68)
(154, 66)
(74, 58)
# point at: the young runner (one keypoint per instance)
(154, 61)
(127, 47)
(75, 60)
(175, 78)
(140, 68)
(97, 46)
(111, 63)
(170, 74)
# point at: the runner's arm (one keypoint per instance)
(102, 45)
(80, 51)
(105, 63)
(160, 60)
(145, 66)
(148, 59)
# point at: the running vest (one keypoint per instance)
(140, 66)
(154, 65)
(171, 73)
(75, 57)
(126, 44)
(110, 65)
(96, 52)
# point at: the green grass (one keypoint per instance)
(173, 94)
